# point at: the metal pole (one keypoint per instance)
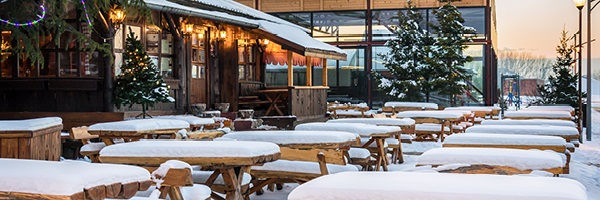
(579, 99)
(588, 115)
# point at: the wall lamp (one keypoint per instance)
(117, 16)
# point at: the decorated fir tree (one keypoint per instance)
(447, 52)
(140, 81)
(409, 76)
(562, 85)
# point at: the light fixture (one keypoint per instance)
(188, 28)
(579, 3)
(265, 42)
(117, 16)
(223, 34)
(201, 36)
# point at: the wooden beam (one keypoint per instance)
(290, 69)
(308, 71)
(324, 71)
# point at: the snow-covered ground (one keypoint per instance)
(585, 164)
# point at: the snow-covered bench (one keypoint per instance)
(195, 122)
(33, 179)
(511, 141)
(136, 129)
(395, 106)
(493, 160)
(570, 134)
(539, 114)
(349, 111)
(413, 185)
(305, 155)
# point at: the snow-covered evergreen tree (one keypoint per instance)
(562, 85)
(447, 52)
(409, 76)
(140, 81)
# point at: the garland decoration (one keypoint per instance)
(31, 23)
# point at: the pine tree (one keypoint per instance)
(409, 76)
(562, 85)
(447, 52)
(140, 81)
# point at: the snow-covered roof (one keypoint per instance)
(530, 122)
(441, 186)
(140, 125)
(169, 6)
(293, 137)
(517, 158)
(189, 118)
(505, 139)
(198, 149)
(411, 104)
(364, 130)
(524, 130)
(29, 124)
(431, 114)
(376, 121)
(63, 178)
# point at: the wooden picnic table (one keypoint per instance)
(228, 158)
(276, 97)
(196, 123)
(33, 179)
(134, 130)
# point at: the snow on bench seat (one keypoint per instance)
(354, 113)
(189, 119)
(140, 125)
(431, 127)
(541, 114)
(364, 130)
(294, 137)
(505, 139)
(302, 167)
(515, 158)
(422, 105)
(377, 121)
(566, 132)
(550, 108)
(439, 186)
(530, 122)
(63, 178)
(431, 114)
(29, 124)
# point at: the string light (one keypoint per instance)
(31, 23)
(86, 13)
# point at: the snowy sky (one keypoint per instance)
(535, 25)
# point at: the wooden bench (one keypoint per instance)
(251, 101)
(89, 149)
(492, 160)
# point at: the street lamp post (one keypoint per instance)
(588, 120)
(579, 4)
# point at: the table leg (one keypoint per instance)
(273, 104)
(382, 155)
(108, 141)
(277, 98)
(233, 180)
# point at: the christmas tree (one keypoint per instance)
(447, 53)
(409, 76)
(140, 81)
(562, 85)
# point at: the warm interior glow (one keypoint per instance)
(266, 42)
(579, 3)
(117, 16)
(200, 35)
(189, 28)
(223, 34)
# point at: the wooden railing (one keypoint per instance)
(307, 102)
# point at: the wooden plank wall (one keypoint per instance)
(228, 74)
(249, 88)
(44, 144)
(308, 102)
(320, 5)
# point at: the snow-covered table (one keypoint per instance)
(539, 122)
(133, 130)
(430, 120)
(407, 124)
(376, 134)
(551, 108)
(395, 106)
(570, 134)
(493, 160)
(32, 179)
(539, 114)
(38, 139)
(439, 186)
(349, 111)
(298, 139)
(229, 158)
(195, 122)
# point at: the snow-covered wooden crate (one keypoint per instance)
(443, 186)
(570, 134)
(37, 139)
(539, 114)
(492, 160)
(32, 179)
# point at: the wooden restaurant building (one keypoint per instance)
(207, 51)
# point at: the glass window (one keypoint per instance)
(302, 19)
(377, 61)
(246, 64)
(340, 26)
(351, 76)
(166, 67)
(474, 17)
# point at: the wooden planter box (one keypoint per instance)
(40, 144)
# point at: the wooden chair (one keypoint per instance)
(89, 149)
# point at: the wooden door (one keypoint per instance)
(199, 71)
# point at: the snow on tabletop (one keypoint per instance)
(530, 122)
(411, 104)
(293, 137)
(140, 125)
(63, 178)
(524, 129)
(431, 127)
(354, 112)
(439, 186)
(202, 176)
(94, 146)
(505, 139)
(29, 124)
(538, 114)
(376, 121)
(206, 149)
(517, 158)
(303, 167)
(563, 108)
(470, 108)
(364, 130)
(430, 114)
(189, 118)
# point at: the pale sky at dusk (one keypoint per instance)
(535, 25)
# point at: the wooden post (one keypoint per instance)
(324, 71)
(308, 71)
(290, 69)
